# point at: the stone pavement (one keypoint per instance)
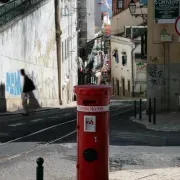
(168, 122)
(126, 162)
(148, 174)
(127, 98)
(70, 105)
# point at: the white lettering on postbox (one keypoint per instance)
(92, 108)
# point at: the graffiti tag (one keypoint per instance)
(141, 66)
(153, 60)
(13, 83)
(155, 75)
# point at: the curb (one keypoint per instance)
(18, 113)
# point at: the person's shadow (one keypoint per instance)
(3, 107)
(33, 102)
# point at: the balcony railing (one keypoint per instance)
(12, 9)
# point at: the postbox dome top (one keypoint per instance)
(91, 89)
(94, 86)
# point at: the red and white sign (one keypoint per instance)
(92, 108)
(177, 25)
(89, 123)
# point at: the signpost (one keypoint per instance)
(166, 12)
(177, 25)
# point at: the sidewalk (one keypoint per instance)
(167, 122)
(10, 113)
(148, 174)
(127, 98)
(126, 163)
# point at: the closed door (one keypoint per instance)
(113, 85)
(117, 86)
(123, 87)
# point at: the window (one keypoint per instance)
(120, 4)
(67, 47)
(124, 58)
(115, 55)
(65, 50)
(62, 51)
(129, 86)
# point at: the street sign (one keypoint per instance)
(177, 25)
(166, 11)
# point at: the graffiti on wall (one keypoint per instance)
(45, 87)
(13, 83)
(155, 75)
(153, 60)
(141, 66)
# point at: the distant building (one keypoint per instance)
(68, 50)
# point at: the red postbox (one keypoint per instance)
(93, 132)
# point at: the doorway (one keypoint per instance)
(113, 85)
(123, 87)
(117, 87)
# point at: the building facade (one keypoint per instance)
(29, 42)
(69, 77)
(128, 70)
(86, 25)
(163, 55)
(124, 18)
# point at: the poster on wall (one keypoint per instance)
(166, 12)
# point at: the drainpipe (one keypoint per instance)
(58, 44)
(132, 70)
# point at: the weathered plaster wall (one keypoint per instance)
(69, 51)
(30, 44)
(163, 64)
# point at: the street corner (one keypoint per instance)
(144, 162)
(166, 122)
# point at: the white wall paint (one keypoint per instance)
(69, 64)
(119, 71)
(30, 44)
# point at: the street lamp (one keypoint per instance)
(132, 7)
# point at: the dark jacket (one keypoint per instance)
(28, 85)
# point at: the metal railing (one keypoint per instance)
(12, 9)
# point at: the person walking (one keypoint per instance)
(28, 87)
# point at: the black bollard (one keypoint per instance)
(135, 109)
(40, 169)
(150, 110)
(140, 109)
(154, 112)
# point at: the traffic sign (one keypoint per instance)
(177, 25)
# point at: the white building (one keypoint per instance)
(128, 71)
(69, 77)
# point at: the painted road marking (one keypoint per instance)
(17, 124)
(54, 117)
(36, 120)
(37, 132)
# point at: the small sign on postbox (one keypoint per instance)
(89, 123)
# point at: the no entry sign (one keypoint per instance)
(177, 25)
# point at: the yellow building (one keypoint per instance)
(163, 54)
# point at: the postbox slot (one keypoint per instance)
(89, 102)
